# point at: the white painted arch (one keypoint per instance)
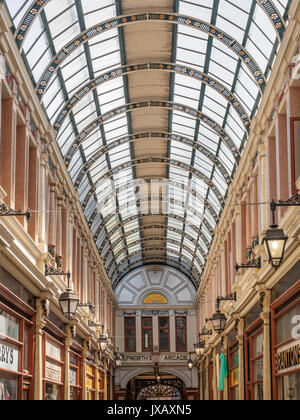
(167, 281)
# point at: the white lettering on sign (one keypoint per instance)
(53, 372)
(9, 357)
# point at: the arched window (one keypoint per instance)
(155, 299)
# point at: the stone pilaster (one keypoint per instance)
(68, 345)
(225, 351)
(97, 376)
(105, 380)
(215, 379)
(240, 337)
(38, 358)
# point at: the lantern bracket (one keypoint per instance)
(231, 297)
(293, 201)
(256, 263)
(51, 271)
(7, 211)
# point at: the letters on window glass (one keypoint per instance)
(181, 335)
(164, 334)
(8, 388)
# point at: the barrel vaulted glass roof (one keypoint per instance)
(222, 54)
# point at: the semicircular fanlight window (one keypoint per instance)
(155, 299)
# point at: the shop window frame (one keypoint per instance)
(150, 349)
(186, 335)
(127, 350)
(251, 333)
(26, 318)
(231, 351)
(91, 364)
(279, 308)
(293, 156)
(164, 329)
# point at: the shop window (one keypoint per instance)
(211, 381)
(101, 384)
(52, 392)
(147, 334)
(254, 363)
(181, 334)
(130, 335)
(286, 346)
(108, 386)
(295, 148)
(164, 334)
(203, 382)
(234, 372)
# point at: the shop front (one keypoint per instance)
(286, 345)
(54, 363)
(16, 347)
(91, 379)
(203, 382)
(254, 361)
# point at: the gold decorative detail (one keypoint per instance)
(155, 299)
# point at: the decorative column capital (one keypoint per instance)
(41, 312)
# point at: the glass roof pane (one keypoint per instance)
(247, 23)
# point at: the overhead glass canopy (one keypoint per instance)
(222, 55)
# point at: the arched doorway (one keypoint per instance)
(147, 388)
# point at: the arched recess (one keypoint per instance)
(37, 6)
(201, 236)
(171, 18)
(142, 136)
(153, 227)
(99, 121)
(166, 261)
(163, 161)
(159, 239)
(136, 285)
(140, 216)
(161, 183)
(186, 379)
(230, 97)
(190, 209)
